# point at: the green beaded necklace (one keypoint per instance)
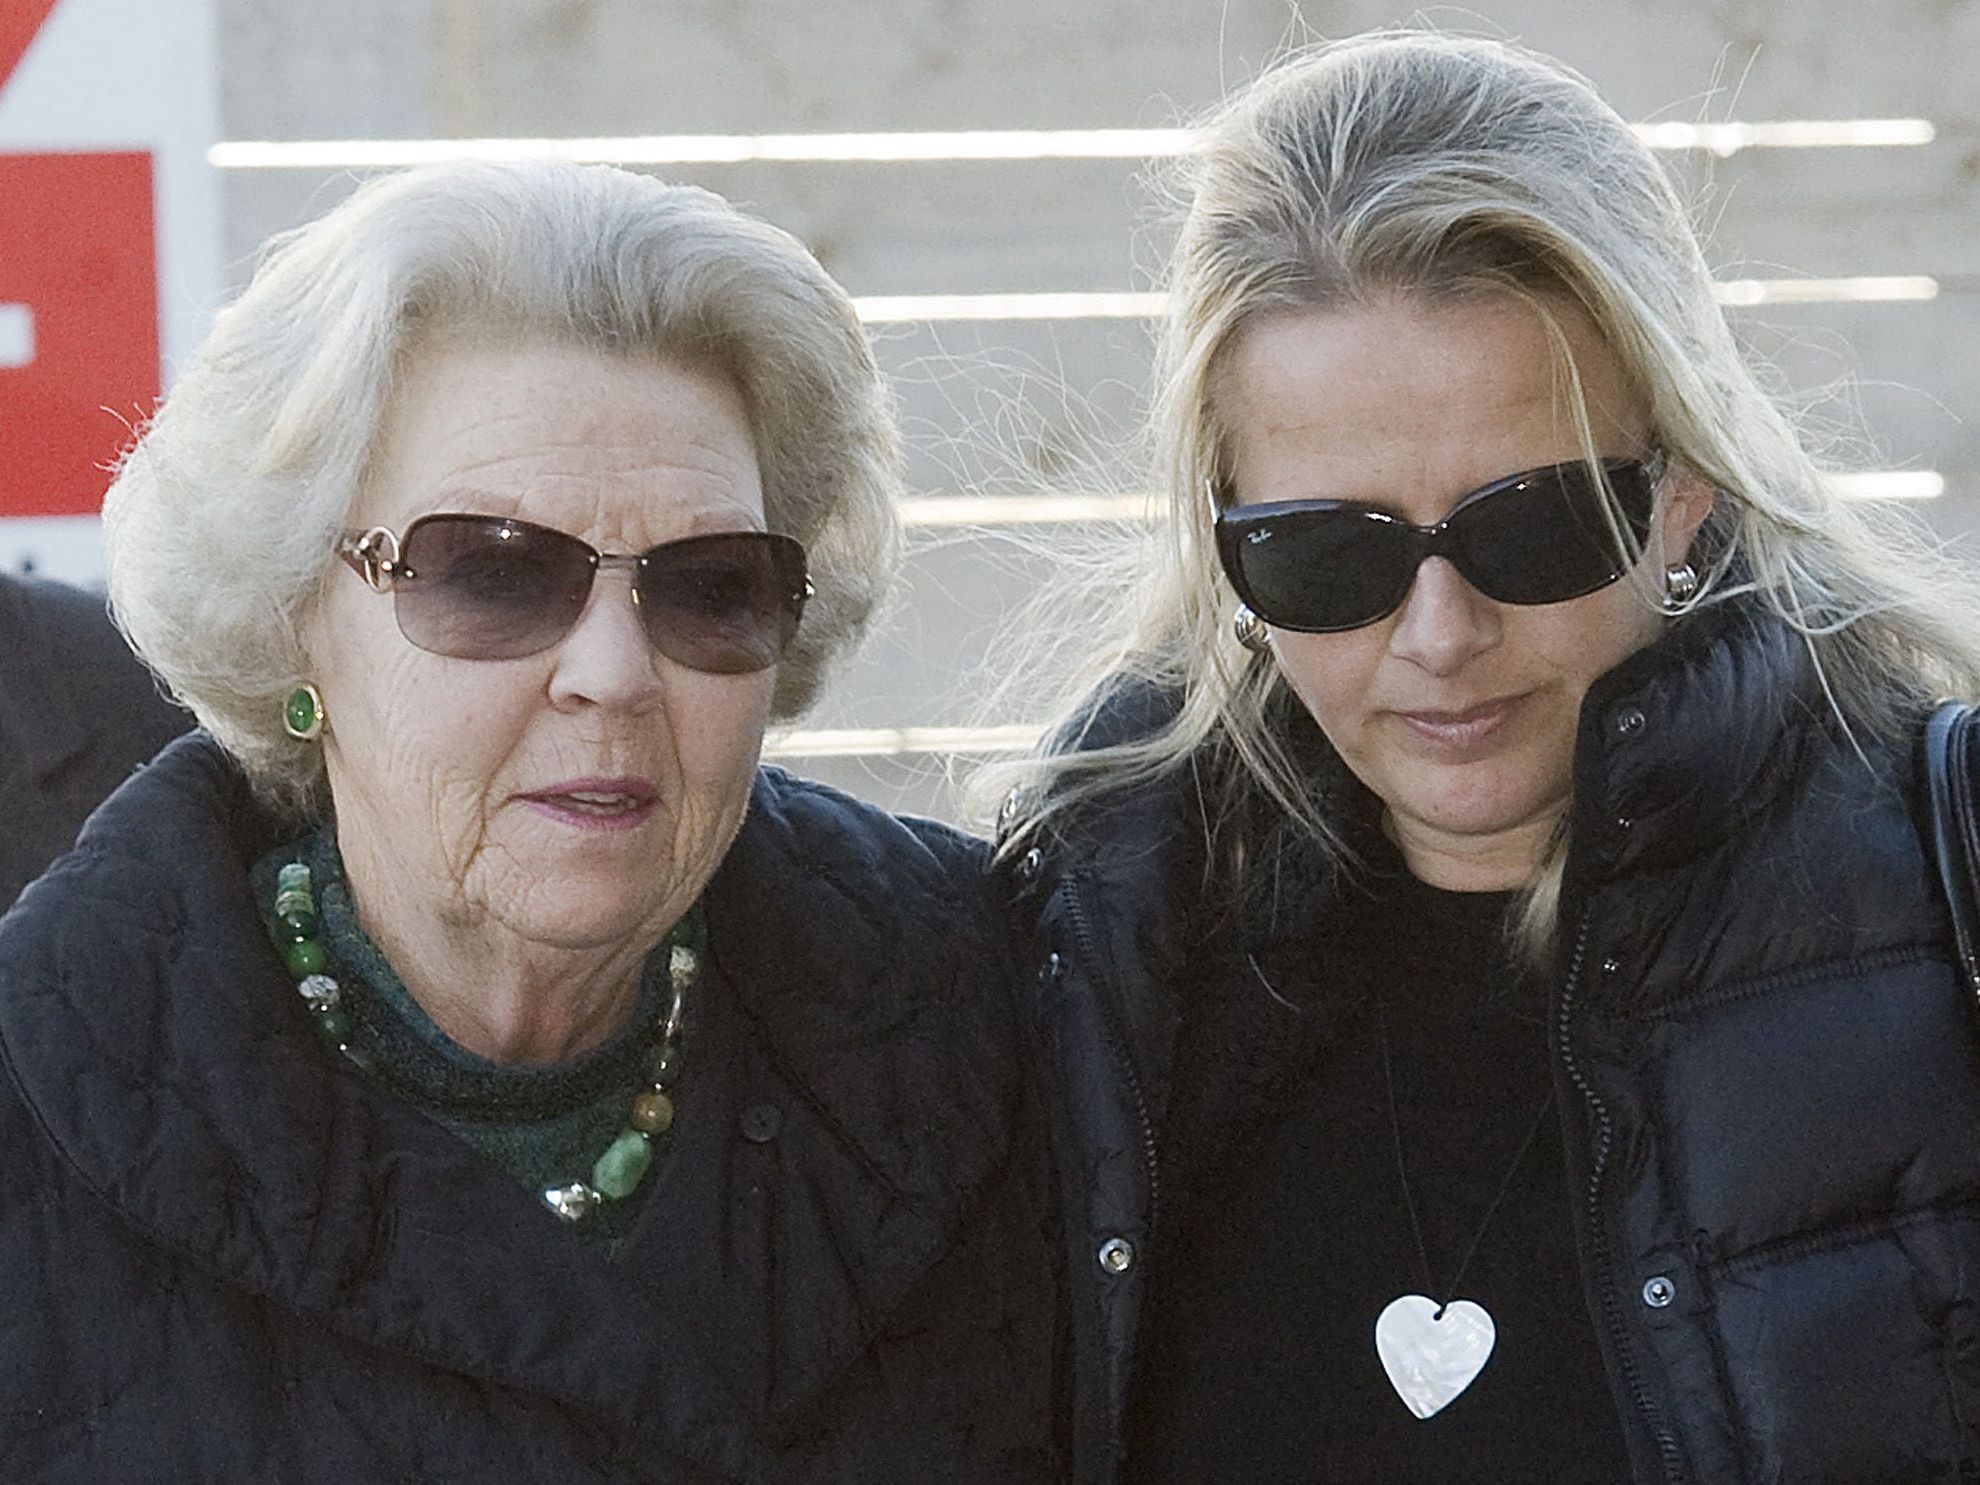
(618, 1172)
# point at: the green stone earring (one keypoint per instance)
(302, 713)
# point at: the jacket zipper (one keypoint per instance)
(1117, 1043)
(1088, 950)
(1961, 786)
(1667, 1447)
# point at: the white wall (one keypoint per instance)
(393, 68)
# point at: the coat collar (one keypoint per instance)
(1689, 738)
(150, 1026)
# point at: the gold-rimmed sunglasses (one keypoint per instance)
(477, 587)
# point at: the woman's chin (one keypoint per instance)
(580, 911)
(586, 889)
(1480, 815)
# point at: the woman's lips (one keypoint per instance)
(597, 804)
(1459, 735)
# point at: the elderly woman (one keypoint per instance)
(462, 1061)
(1505, 1017)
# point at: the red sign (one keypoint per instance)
(19, 20)
(78, 324)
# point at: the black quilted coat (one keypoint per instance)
(226, 1258)
(77, 713)
(1766, 1061)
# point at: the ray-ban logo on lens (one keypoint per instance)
(1263, 533)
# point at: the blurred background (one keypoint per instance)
(977, 173)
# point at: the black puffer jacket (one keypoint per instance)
(78, 712)
(1766, 1061)
(224, 1257)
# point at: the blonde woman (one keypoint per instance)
(1504, 1021)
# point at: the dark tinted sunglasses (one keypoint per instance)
(1544, 536)
(490, 588)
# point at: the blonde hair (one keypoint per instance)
(221, 522)
(1422, 165)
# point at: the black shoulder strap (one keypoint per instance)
(1955, 836)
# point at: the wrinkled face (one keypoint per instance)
(1458, 712)
(581, 796)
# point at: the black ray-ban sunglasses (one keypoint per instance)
(1542, 536)
(491, 588)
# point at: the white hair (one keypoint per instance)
(221, 523)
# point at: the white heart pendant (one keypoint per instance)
(1431, 1359)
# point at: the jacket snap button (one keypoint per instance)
(1629, 722)
(1659, 1292)
(761, 1123)
(1623, 822)
(1051, 969)
(1116, 1255)
(1030, 862)
(1611, 966)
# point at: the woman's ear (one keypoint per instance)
(1684, 502)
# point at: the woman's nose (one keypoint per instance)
(606, 659)
(1444, 621)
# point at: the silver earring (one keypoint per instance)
(1680, 584)
(1252, 632)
